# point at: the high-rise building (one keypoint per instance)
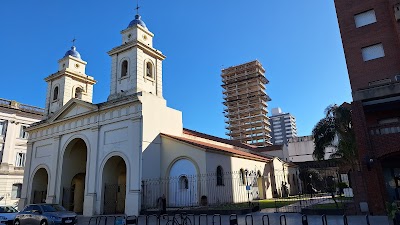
(370, 33)
(283, 126)
(245, 101)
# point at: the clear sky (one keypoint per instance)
(298, 43)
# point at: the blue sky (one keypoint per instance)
(298, 43)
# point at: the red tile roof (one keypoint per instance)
(213, 147)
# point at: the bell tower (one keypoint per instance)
(136, 65)
(69, 82)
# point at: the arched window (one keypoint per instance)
(78, 92)
(220, 176)
(242, 177)
(16, 191)
(183, 182)
(55, 93)
(124, 68)
(149, 69)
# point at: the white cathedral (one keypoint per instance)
(96, 158)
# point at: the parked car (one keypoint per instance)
(7, 214)
(45, 214)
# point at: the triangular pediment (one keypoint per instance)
(73, 108)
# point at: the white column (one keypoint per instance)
(53, 178)
(89, 208)
(9, 143)
(25, 195)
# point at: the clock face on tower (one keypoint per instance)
(144, 37)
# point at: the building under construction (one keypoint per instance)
(245, 103)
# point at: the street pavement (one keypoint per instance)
(258, 218)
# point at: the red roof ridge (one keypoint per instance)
(211, 146)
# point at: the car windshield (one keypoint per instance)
(7, 209)
(52, 208)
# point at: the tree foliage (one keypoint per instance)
(336, 124)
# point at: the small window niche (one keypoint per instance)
(78, 93)
(124, 69)
(149, 70)
(55, 94)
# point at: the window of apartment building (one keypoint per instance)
(365, 18)
(372, 52)
(3, 127)
(23, 134)
(20, 160)
(16, 191)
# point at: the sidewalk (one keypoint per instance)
(257, 219)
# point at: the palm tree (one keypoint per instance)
(336, 124)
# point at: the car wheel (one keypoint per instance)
(16, 222)
(44, 222)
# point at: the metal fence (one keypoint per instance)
(202, 190)
(216, 219)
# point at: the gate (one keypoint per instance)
(68, 198)
(39, 197)
(114, 198)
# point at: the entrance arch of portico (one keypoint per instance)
(114, 175)
(73, 175)
(39, 185)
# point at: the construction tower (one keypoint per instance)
(245, 103)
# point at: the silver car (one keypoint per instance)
(45, 214)
(7, 214)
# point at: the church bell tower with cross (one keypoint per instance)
(69, 82)
(136, 65)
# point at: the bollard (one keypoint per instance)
(284, 219)
(345, 222)
(304, 220)
(213, 219)
(324, 220)
(251, 217)
(263, 219)
(233, 219)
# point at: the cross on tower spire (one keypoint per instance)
(73, 41)
(137, 9)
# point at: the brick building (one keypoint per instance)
(370, 31)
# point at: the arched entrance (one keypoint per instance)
(39, 186)
(73, 175)
(114, 186)
(183, 190)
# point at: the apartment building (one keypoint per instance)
(14, 119)
(370, 32)
(283, 126)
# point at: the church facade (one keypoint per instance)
(93, 158)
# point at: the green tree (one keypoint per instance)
(337, 123)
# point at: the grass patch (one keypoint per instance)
(272, 203)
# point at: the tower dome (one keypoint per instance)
(137, 20)
(73, 52)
